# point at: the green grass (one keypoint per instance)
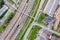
(28, 22)
(44, 4)
(11, 1)
(1, 3)
(5, 24)
(24, 28)
(35, 7)
(59, 25)
(41, 17)
(33, 33)
(3, 14)
(55, 35)
(19, 3)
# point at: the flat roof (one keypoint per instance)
(3, 9)
(51, 7)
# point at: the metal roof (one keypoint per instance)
(3, 9)
(51, 7)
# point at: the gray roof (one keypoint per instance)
(53, 38)
(41, 38)
(48, 32)
(3, 9)
(51, 7)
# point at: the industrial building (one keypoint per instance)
(3, 9)
(51, 7)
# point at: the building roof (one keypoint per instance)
(48, 32)
(53, 37)
(48, 20)
(51, 7)
(3, 9)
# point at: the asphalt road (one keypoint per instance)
(11, 8)
(44, 27)
(13, 21)
(15, 26)
(24, 18)
(35, 18)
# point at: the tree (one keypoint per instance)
(1, 3)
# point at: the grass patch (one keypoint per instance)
(5, 24)
(24, 29)
(28, 22)
(1, 3)
(19, 3)
(41, 17)
(44, 4)
(11, 1)
(3, 14)
(55, 35)
(35, 8)
(33, 33)
(59, 25)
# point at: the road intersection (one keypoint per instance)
(18, 21)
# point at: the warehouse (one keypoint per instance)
(50, 7)
(3, 9)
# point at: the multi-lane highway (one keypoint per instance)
(25, 11)
(24, 17)
(11, 8)
(15, 26)
(13, 21)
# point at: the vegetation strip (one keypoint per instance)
(23, 30)
(3, 14)
(1, 3)
(44, 4)
(35, 8)
(41, 17)
(11, 1)
(5, 24)
(28, 22)
(33, 33)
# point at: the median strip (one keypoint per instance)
(33, 32)
(3, 14)
(5, 24)
(44, 4)
(28, 21)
